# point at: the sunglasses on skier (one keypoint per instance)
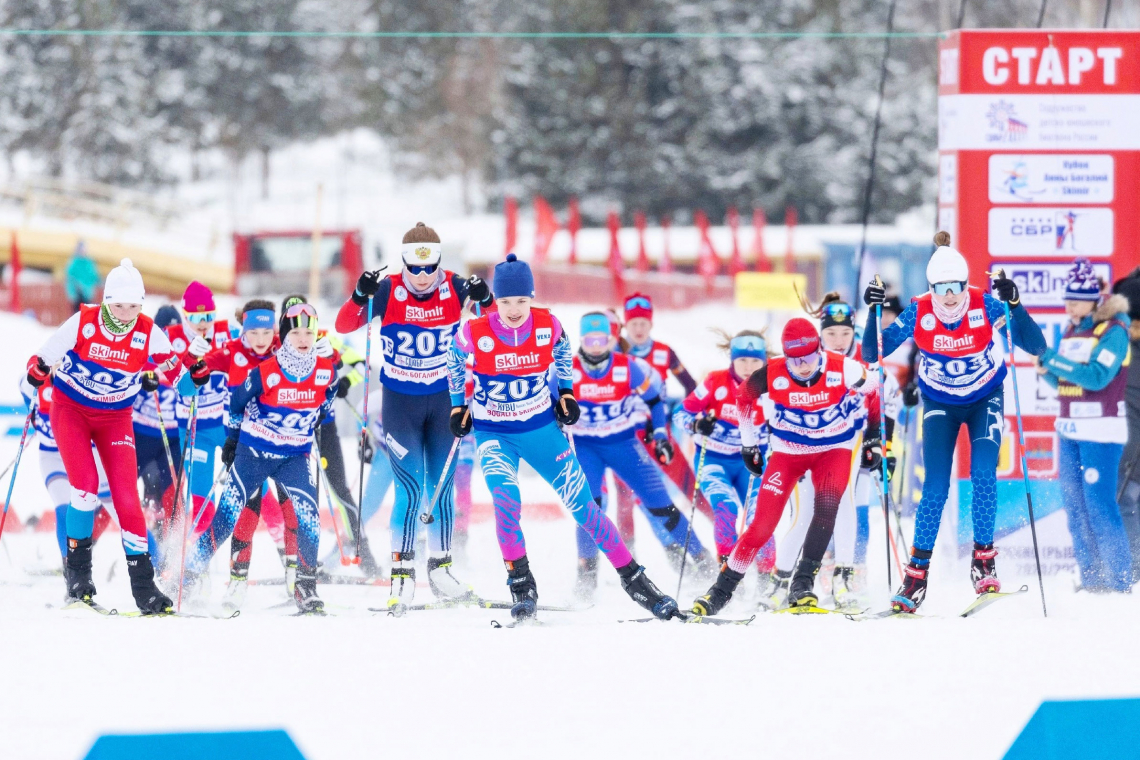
(943, 288)
(424, 269)
(799, 362)
(839, 312)
(199, 317)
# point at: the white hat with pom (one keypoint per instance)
(124, 284)
(946, 264)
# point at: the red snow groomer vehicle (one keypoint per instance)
(273, 263)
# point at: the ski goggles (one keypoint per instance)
(422, 269)
(638, 302)
(200, 317)
(804, 362)
(838, 313)
(302, 315)
(751, 346)
(945, 288)
(595, 343)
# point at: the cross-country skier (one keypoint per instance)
(419, 310)
(960, 376)
(194, 337)
(813, 404)
(276, 411)
(101, 350)
(514, 419)
(607, 386)
(150, 428)
(837, 333)
(1089, 371)
(711, 414)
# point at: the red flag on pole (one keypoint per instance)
(708, 263)
(15, 274)
(511, 212)
(616, 264)
(665, 263)
(639, 221)
(790, 218)
(573, 224)
(736, 263)
(545, 225)
(758, 223)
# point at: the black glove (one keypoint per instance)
(663, 450)
(872, 455)
(460, 422)
(875, 294)
(1006, 290)
(342, 387)
(753, 459)
(478, 291)
(199, 373)
(704, 424)
(891, 463)
(149, 382)
(367, 286)
(910, 394)
(366, 449)
(229, 451)
(566, 409)
(38, 372)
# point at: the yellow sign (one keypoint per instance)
(769, 291)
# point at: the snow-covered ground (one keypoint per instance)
(446, 684)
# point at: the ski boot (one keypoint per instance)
(234, 595)
(843, 588)
(149, 599)
(913, 591)
(643, 591)
(291, 566)
(77, 570)
(443, 584)
(778, 595)
(983, 569)
(801, 592)
(587, 583)
(305, 593)
(403, 589)
(524, 591)
(719, 594)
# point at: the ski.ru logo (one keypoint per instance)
(808, 399)
(99, 351)
(1004, 126)
(950, 343)
(296, 395)
(421, 314)
(515, 361)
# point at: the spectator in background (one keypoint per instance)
(1128, 488)
(82, 278)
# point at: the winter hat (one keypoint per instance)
(197, 298)
(166, 316)
(421, 254)
(1082, 284)
(946, 264)
(513, 278)
(799, 338)
(124, 284)
(594, 322)
(305, 317)
(638, 305)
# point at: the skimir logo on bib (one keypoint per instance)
(99, 351)
(296, 395)
(807, 399)
(950, 343)
(596, 391)
(515, 361)
(422, 314)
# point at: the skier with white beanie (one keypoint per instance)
(95, 359)
(960, 375)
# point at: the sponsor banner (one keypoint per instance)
(1053, 231)
(1042, 285)
(1039, 122)
(1065, 178)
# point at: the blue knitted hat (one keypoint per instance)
(1082, 283)
(513, 278)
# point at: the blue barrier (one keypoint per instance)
(1105, 729)
(232, 745)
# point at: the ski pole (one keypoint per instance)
(427, 518)
(187, 500)
(210, 497)
(13, 462)
(16, 468)
(344, 560)
(165, 440)
(692, 518)
(884, 483)
(1021, 447)
(364, 422)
